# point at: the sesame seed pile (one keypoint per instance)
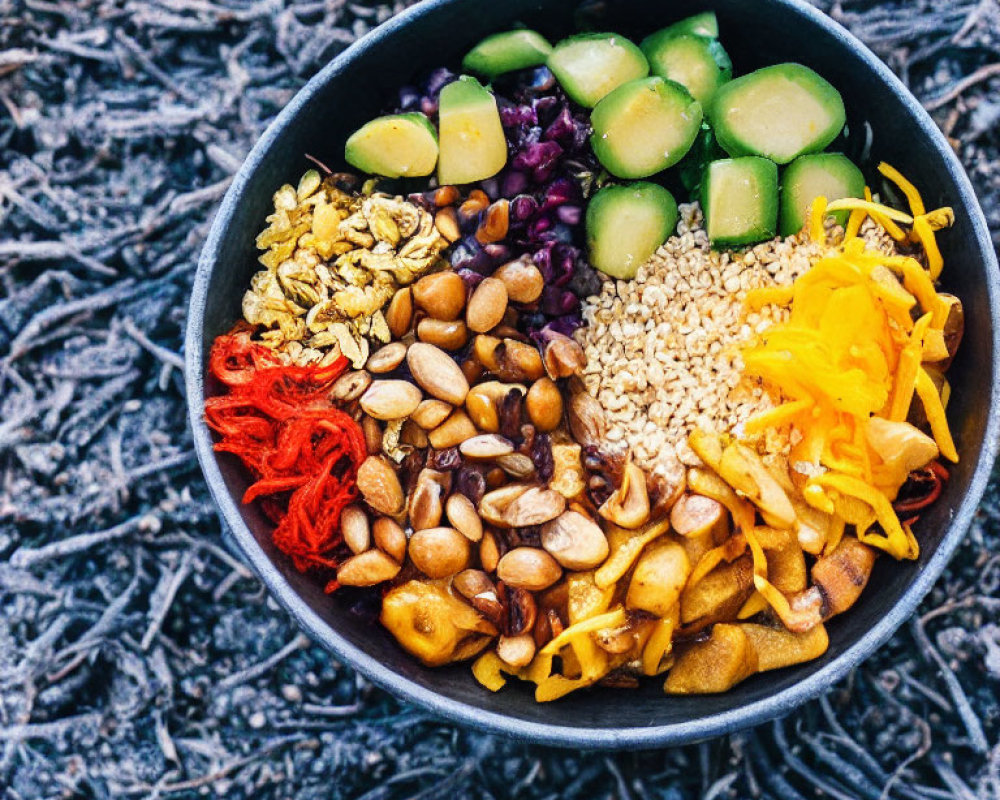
(663, 349)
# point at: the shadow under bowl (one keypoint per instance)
(884, 122)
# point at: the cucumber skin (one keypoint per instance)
(527, 48)
(653, 45)
(553, 64)
(605, 200)
(790, 220)
(736, 148)
(601, 149)
(414, 117)
(702, 24)
(768, 171)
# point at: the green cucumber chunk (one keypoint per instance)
(626, 224)
(644, 126)
(697, 63)
(703, 24)
(829, 175)
(507, 52)
(588, 66)
(472, 142)
(779, 112)
(396, 146)
(739, 197)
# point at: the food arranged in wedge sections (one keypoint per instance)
(503, 387)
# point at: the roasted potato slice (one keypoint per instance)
(719, 595)
(786, 563)
(713, 665)
(842, 575)
(778, 647)
(658, 578)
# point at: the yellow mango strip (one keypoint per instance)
(818, 499)
(817, 216)
(728, 551)
(918, 283)
(775, 599)
(659, 642)
(935, 262)
(884, 215)
(762, 296)
(759, 560)
(895, 541)
(906, 371)
(625, 548)
(854, 224)
(928, 394)
(834, 534)
(711, 485)
(754, 605)
(593, 666)
(913, 197)
(777, 416)
(611, 619)
(945, 393)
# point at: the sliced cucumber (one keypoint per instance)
(506, 52)
(590, 65)
(472, 142)
(697, 63)
(739, 197)
(703, 24)
(829, 175)
(396, 146)
(625, 225)
(644, 126)
(778, 112)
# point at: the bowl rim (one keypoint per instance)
(775, 705)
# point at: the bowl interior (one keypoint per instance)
(362, 83)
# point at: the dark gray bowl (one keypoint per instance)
(361, 81)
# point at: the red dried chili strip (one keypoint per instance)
(279, 421)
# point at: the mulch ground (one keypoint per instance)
(138, 658)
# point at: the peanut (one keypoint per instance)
(440, 294)
(367, 569)
(575, 541)
(354, 528)
(453, 431)
(487, 446)
(544, 405)
(523, 280)
(399, 314)
(350, 386)
(462, 516)
(528, 568)
(448, 335)
(439, 552)
(387, 358)
(391, 399)
(437, 373)
(431, 413)
(517, 651)
(487, 305)
(390, 538)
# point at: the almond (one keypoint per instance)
(487, 305)
(437, 373)
(391, 399)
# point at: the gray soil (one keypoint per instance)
(137, 657)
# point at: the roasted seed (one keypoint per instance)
(520, 609)
(387, 358)
(586, 419)
(517, 361)
(373, 434)
(431, 413)
(489, 552)
(575, 541)
(448, 335)
(462, 516)
(389, 537)
(483, 403)
(391, 399)
(484, 350)
(453, 431)
(446, 221)
(472, 582)
(440, 294)
(437, 373)
(439, 552)
(472, 370)
(476, 202)
(495, 478)
(493, 506)
(516, 651)
(399, 314)
(517, 465)
(367, 569)
(536, 506)
(379, 485)
(426, 504)
(493, 227)
(446, 196)
(413, 435)
(487, 305)
(523, 280)
(528, 568)
(562, 356)
(486, 446)
(354, 528)
(544, 404)
(350, 386)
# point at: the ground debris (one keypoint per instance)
(138, 657)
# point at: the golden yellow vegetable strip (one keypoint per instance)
(913, 197)
(895, 541)
(658, 644)
(762, 296)
(817, 215)
(488, 670)
(754, 605)
(928, 394)
(777, 416)
(871, 207)
(854, 224)
(922, 230)
(611, 619)
(906, 372)
(834, 534)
